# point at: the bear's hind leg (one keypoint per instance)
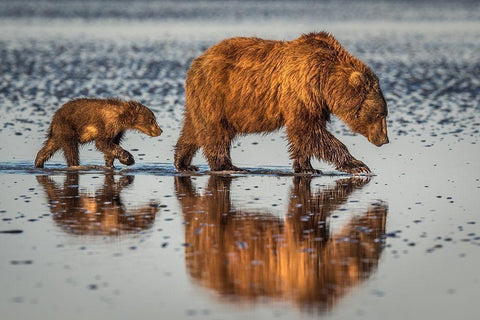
(49, 148)
(186, 148)
(216, 148)
(218, 157)
(303, 165)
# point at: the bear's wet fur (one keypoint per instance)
(104, 121)
(251, 85)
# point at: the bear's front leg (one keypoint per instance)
(112, 151)
(332, 150)
(301, 143)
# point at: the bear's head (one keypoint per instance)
(143, 119)
(357, 99)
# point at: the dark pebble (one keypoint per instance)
(12, 231)
(391, 235)
(17, 262)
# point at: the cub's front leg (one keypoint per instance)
(112, 151)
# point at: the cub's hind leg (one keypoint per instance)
(70, 150)
(49, 148)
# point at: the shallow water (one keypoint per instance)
(145, 241)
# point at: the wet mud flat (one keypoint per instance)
(146, 241)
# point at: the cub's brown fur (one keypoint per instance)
(251, 85)
(101, 120)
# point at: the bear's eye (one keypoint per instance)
(152, 121)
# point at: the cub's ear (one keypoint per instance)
(356, 79)
(132, 108)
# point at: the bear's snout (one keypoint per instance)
(381, 141)
(377, 133)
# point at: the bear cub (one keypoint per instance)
(104, 121)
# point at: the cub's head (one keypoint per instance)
(361, 104)
(142, 119)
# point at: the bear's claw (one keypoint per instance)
(354, 167)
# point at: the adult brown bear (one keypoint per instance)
(251, 85)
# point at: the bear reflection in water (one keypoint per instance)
(100, 213)
(247, 255)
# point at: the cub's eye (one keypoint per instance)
(152, 121)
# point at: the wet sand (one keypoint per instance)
(146, 241)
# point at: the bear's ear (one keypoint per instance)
(356, 79)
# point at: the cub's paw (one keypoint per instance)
(355, 166)
(126, 158)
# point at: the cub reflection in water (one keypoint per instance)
(101, 213)
(245, 255)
